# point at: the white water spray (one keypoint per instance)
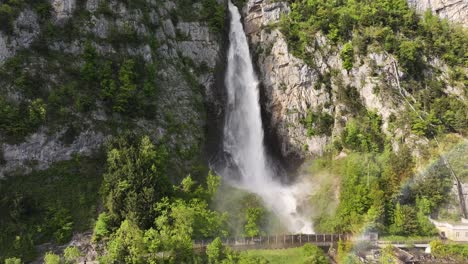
(243, 133)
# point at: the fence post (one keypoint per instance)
(308, 238)
(292, 239)
(300, 240)
(284, 239)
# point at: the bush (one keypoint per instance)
(214, 13)
(101, 228)
(443, 250)
(315, 255)
(215, 251)
(71, 255)
(13, 261)
(51, 258)
(347, 55)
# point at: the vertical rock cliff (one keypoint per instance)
(453, 10)
(297, 92)
(172, 44)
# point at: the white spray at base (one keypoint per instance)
(243, 134)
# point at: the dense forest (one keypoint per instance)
(147, 198)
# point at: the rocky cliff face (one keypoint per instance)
(453, 10)
(294, 89)
(179, 46)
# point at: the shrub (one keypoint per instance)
(71, 255)
(51, 258)
(101, 228)
(347, 55)
(13, 261)
(215, 251)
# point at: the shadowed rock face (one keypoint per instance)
(453, 10)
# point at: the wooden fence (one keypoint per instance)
(276, 241)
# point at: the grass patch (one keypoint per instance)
(280, 256)
(407, 239)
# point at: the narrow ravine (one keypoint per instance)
(243, 134)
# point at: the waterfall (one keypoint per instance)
(243, 133)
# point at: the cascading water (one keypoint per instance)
(243, 133)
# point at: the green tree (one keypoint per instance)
(89, 71)
(212, 181)
(404, 221)
(126, 245)
(101, 228)
(347, 55)
(51, 258)
(314, 255)
(127, 87)
(135, 179)
(254, 217)
(108, 85)
(37, 112)
(71, 255)
(215, 251)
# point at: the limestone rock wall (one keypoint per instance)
(293, 88)
(180, 98)
(453, 10)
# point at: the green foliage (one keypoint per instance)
(443, 250)
(404, 220)
(51, 258)
(192, 218)
(135, 179)
(318, 123)
(387, 256)
(19, 120)
(126, 245)
(212, 181)
(13, 261)
(214, 14)
(409, 55)
(254, 217)
(101, 228)
(89, 70)
(347, 55)
(364, 134)
(237, 204)
(47, 205)
(314, 255)
(215, 251)
(389, 23)
(159, 218)
(300, 255)
(71, 255)
(446, 114)
(127, 88)
(343, 250)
